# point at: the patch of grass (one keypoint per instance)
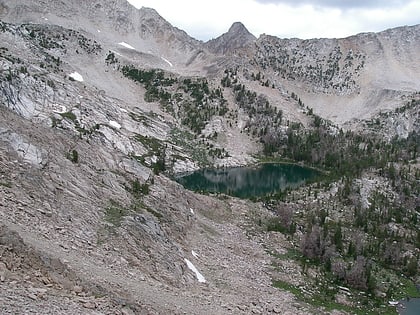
(283, 285)
(73, 156)
(185, 140)
(325, 298)
(276, 225)
(69, 115)
(156, 148)
(153, 144)
(141, 159)
(291, 253)
(138, 189)
(114, 213)
(407, 289)
(139, 205)
(6, 184)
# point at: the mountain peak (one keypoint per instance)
(238, 27)
(237, 37)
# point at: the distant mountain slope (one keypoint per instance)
(346, 78)
(341, 79)
(334, 65)
(111, 22)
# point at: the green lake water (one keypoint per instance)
(247, 182)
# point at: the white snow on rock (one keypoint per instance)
(126, 45)
(114, 124)
(191, 210)
(76, 76)
(199, 276)
(194, 254)
(167, 61)
(59, 109)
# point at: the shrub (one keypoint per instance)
(73, 156)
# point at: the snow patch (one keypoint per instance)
(123, 110)
(194, 254)
(167, 61)
(99, 31)
(199, 276)
(114, 124)
(76, 76)
(191, 210)
(126, 45)
(59, 109)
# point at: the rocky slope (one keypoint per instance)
(101, 103)
(348, 78)
(113, 22)
(360, 75)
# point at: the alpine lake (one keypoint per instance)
(248, 181)
(258, 181)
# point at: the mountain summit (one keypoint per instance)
(239, 29)
(237, 37)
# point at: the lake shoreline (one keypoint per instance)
(246, 182)
(251, 165)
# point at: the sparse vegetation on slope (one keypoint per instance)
(355, 232)
(192, 101)
(84, 165)
(332, 72)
